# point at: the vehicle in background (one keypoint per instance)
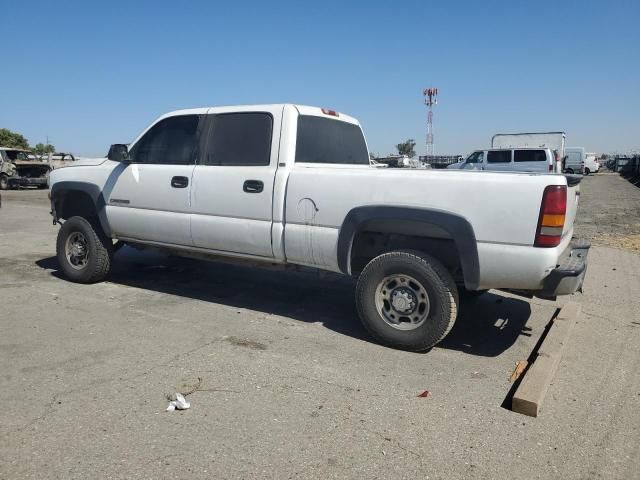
(441, 161)
(511, 160)
(18, 169)
(7, 167)
(555, 141)
(376, 164)
(293, 185)
(399, 161)
(624, 164)
(457, 165)
(575, 160)
(22, 168)
(591, 163)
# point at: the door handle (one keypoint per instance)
(179, 182)
(253, 186)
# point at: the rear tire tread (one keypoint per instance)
(447, 288)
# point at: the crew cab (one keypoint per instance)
(293, 185)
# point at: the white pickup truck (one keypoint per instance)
(293, 184)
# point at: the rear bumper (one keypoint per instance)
(568, 276)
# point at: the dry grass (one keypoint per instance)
(628, 242)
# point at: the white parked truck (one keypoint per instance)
(591, 164)
(292, 184)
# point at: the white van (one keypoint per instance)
(555, 141)
(511, 160)
(575, 160)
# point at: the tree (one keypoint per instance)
(12, 140)
(407, 148)
(41, 149)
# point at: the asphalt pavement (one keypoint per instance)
(286, 383)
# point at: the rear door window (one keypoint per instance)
(240, 139)
(529, 156)
(324, 140)
(499, 156)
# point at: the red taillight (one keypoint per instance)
(552, 216)
(333, 113)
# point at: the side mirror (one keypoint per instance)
(119, 152)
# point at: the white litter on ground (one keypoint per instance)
(180, 403)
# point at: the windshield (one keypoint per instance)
(17, 155)
(475, 157)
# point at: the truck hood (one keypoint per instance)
(86, 162)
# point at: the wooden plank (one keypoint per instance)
(558, 335)
(531, 392)
(535, 383)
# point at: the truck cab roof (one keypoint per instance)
(302, 110)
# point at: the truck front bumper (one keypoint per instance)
(568, 276)
(27, 181)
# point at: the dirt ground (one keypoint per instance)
(609, 211)
(285, 383)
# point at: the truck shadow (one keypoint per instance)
(486, 326)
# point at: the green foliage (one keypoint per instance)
(41, 149)
(12, 140)
(407, 148)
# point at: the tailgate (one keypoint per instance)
(573, 196)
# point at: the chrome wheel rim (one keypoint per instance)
(402, 302)
(77, 250)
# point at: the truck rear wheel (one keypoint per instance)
(84, 252)
(4, 182)
(407, 300)
(587, 171)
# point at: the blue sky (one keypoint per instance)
(88, 74)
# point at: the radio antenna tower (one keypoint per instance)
(430, 99)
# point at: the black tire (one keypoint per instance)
(569, 171)
(98, 247)
(4, 182)
(587, 171)
(440, 289)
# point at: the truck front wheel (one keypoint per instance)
(407, 300)
(4, 182)
(84, 252)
